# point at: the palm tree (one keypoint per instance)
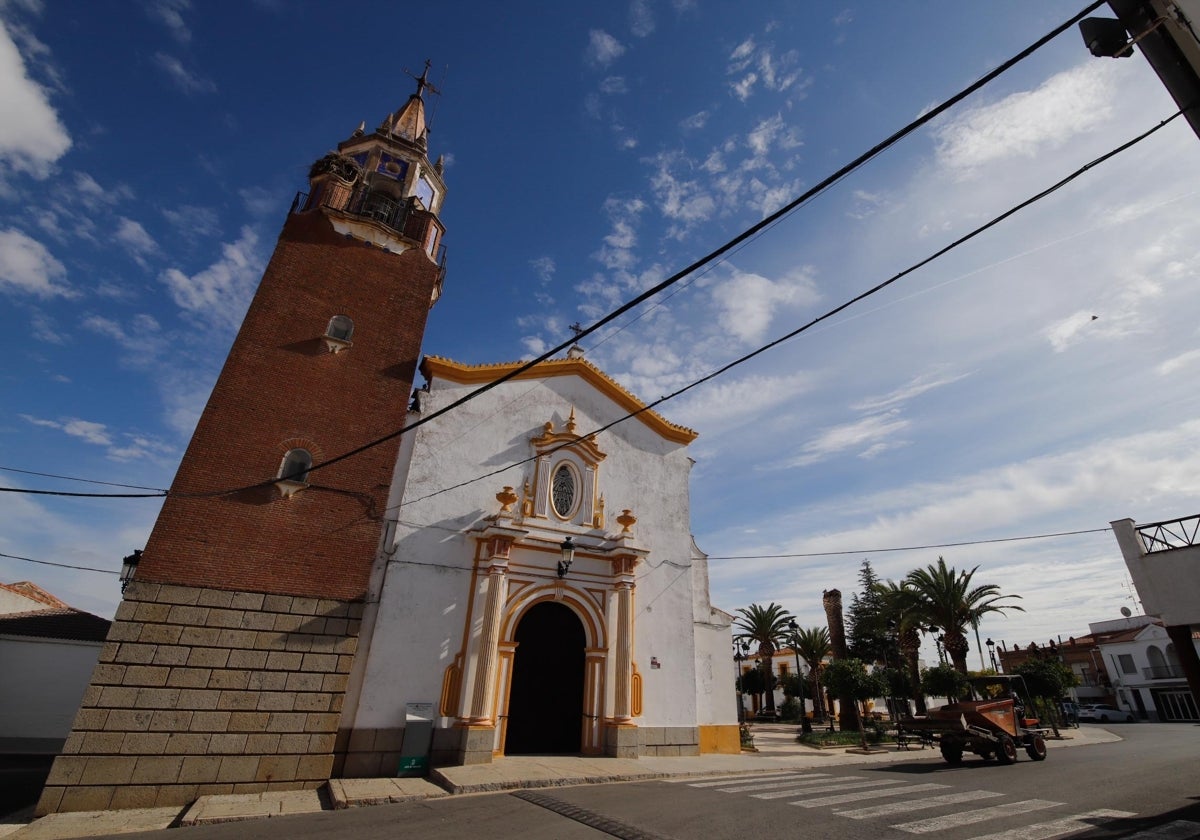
(812, 643)
(902, 614)
(948, 601)
(765, 625)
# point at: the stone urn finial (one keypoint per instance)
(626, 520)
(507, 498)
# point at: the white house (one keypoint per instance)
(1145, 672)
(478, 629)
(47, 653)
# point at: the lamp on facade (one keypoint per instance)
(567, 547)
(128, 567)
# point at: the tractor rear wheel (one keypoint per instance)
(1006, 750)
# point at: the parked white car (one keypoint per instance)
(1104, 713)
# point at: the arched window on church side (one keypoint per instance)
(340, 327)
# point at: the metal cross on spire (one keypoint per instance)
(423, 80)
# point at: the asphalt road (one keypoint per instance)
(1148, 782)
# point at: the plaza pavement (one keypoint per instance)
(775, 748)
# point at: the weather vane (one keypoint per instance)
(423, 80)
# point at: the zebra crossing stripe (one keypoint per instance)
(716, 781)
(969, 817)
(1067, 825)
(755, 780)
(1178, 830)
(794, 781)
(858, 796)
(921, 804)
(825, 788)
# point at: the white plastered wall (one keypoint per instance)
(426, 595)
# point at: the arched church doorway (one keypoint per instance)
(545, 700)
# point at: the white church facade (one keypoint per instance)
(476, 617)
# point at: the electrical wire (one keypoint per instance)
(719, 252)
(158, 495)
(906, 547)
(84, 480)
(828, 314)
(59, 565)
(745, 235)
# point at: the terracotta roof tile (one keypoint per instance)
(33, 592)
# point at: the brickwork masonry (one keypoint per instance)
(203, 691)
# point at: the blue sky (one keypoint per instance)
(149, 151)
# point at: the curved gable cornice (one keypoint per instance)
(436, 367)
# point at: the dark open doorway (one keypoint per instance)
(545, 702)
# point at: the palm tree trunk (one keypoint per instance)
(769, 674)
(956, 648)
(910, 646)
(831, 599)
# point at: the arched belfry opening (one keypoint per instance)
(546, 695)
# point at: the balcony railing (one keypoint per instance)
(1175, 533)
(1162, 672)
(403, 216)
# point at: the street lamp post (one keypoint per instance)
(991, 646)
(805, 724)
(739, 656)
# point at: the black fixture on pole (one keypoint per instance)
(129, 567)
(567, 547)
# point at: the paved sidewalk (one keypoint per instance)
(776, 748)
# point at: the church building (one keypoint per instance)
(322, 596)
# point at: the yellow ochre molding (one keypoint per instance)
(435, 366)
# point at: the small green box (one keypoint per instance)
(413, 765)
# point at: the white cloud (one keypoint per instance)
(32, 138)
(26, 266)
(170, 14)
(183, 78)
(220, 293)
(544, 268)
(1025, 123)
(871, 435)
(746, 302)
(1066, 332)
(738, 402)
(741, 56)
(745, 86)
(602, 49)
(680, 199)
(85, 430)
(617, 250)
(914, 388)
(193, 222)
(135, 240)
(613, 85)
(696, 121)
(534, 346)
(1176, 363)
(641, 19)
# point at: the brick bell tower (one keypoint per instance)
(226, 668)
